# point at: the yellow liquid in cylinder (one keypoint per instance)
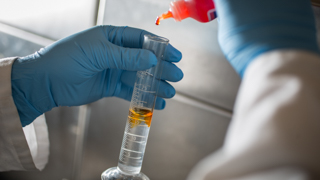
(138, 115)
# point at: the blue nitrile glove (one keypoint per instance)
(87, 66)
(248, 28)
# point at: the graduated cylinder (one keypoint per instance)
(141, 109)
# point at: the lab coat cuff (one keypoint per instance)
(20, 148)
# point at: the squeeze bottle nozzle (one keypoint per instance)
(200, 10)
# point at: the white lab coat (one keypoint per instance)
(20, 148)
(274, 134)
(275, 130)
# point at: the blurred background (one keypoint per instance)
(85, 141)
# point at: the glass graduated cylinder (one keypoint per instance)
(141, 110)
(134, 140)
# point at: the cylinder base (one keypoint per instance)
(115, 174)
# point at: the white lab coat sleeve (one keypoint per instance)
(20, 148)
(275, 131)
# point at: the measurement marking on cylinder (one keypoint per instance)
(143, 125)
(140, 102)
(139, 142)
(132, 157)
(134, 135)
(131, 150)
(146, 91)
(133, 139)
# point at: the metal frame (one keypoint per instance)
(36, 39)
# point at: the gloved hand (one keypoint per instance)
(87, 66)
(248, 28)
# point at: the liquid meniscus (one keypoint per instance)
(138, 115)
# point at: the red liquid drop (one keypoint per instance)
(164, 16)
(158, 20)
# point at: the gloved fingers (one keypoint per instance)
(165, 90)
(126, 94)
(127, 59)
(249, 28)
(170, 72)
(128, 77)
(172, 54)
(125, 36)
(134, 38)
(160, 104)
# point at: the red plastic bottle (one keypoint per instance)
(200, 10)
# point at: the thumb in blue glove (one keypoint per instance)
(87, 66)
(248, 28)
